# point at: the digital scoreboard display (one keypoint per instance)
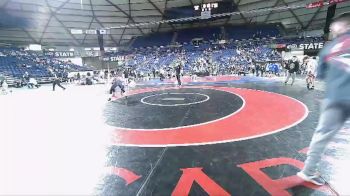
(205, 10)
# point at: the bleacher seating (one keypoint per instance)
(238, 33)
(157, 39)
(207, 33)
(246, 47)
(15, 62)
(241, 54)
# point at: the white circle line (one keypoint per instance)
(180, 104)
(199, 124)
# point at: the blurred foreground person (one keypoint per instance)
(334, 67)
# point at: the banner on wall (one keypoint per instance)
(117, 58)
(307, 46)
(59, 54)
(277, 46)
(92, 53)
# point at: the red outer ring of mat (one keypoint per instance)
(264, 113)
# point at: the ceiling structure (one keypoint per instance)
(49, 22)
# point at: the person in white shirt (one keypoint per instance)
(32, 82)
(311, 64)
(4, 87)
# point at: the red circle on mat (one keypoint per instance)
(264, 113)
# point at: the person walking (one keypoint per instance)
(56, 81)
(335, 69)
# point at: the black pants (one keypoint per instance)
(178, 79)
(161, 77)
(58, 83)
(112, 90)
(241, 73)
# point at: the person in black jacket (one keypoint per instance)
(335, 70)
(293, 67)
(178, 73)
(56, 81)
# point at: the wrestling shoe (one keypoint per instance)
(315, 179)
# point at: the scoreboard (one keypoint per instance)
(205, 10)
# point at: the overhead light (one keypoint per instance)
(34, 47)
(91, 31)
(76, 31)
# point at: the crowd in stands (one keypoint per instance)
(210, 58)
(205, 56)
(16, 62)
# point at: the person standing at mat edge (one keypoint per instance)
(311, 64)
(292, 67)
(56, 81)
(334, 67)
(117, 82)
(178, 73)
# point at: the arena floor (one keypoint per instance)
(216, 136)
